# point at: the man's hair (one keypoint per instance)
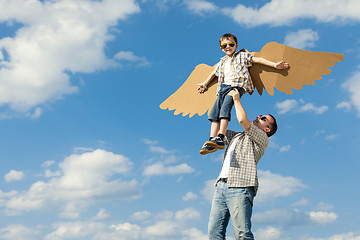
(273, 127)
(227, 36)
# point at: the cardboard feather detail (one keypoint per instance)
(305, 68)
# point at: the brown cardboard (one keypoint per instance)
(305, 68)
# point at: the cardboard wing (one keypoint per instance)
(305, 68)
(187, 100)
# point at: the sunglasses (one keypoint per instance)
(262, 117)
(224, 45)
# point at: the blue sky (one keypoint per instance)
(86, 152)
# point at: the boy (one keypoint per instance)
(232, 72)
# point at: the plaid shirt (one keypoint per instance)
(241, 61)
(249, 148)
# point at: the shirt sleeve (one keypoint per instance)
(229, 135)
(258, 136)
(217, 69)
(248, 59)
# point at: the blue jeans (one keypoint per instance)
(223, 103)
(235, 203)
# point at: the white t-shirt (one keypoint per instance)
(226, 165)
(229, 74)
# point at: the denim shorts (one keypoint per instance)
(224, 103)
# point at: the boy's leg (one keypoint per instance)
(215, 126)
(205, 149)
(218, 141)
(224, 122)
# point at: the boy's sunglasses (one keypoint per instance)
(224, 45)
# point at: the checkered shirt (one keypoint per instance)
(241, 61)
(249, 148)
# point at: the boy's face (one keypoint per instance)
(228, 45)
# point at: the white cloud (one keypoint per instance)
(160, 169)
(344, 105)
(85, 179)
(128, 56)
(294, 217)
(200, 7)
(324, 206)
(187, 214)
(140, 216)
(301, 39)
(121, 231)
(48, 163)
(14, 175)
(7, 194)
(19, 232)
(310, 107)
(36, 114)
(209, 190)
(74, 230)
(274, 145)
(189, 196)
(331, 137)
(55, 37)
(301, 202)
(286, 106)
(285, 148)
(49, 173)
(174, 224)
(102, 214)
(285, 12)
(79, 150)
(323, 218)
(161, 229)
(158, 149)
(194, 234)
(153, 147)
(269, 233)
(292, 105)
(149, 141)
(273, 186)
(346, 236)
(351, 86)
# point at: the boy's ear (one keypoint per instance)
(266, 129)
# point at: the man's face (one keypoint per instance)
(228, 45)
(264, 122)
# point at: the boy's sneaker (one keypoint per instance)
(216, 142)
(206, 149)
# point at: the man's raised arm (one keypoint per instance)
(240, 112)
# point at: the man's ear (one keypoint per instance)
(266, 129)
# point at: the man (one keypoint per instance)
(237, 183)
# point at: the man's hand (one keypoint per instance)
(281, 65)
(202, 88)
(235, 94)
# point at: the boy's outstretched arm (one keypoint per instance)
(240, 112)
(278, 65)
(203, 86)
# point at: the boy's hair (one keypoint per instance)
(227, 36)
(273, 127)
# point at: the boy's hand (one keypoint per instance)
(281, 65)
(235, 94)
(202, 88)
